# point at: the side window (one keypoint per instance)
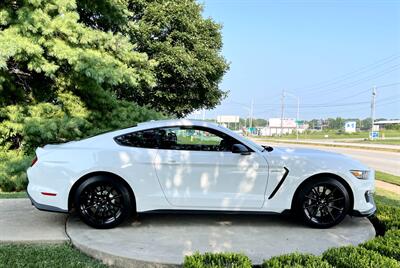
(194, 139)
(145, 139)
(178, 138)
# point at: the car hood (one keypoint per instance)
(312, 157)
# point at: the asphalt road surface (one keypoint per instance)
(388, 162)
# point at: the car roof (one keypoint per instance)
(163, 123)
(176, 122)
(172, 123)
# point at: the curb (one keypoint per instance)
(117, 261)
(113, 260)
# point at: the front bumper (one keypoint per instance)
(369, 198)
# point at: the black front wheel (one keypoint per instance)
(322, 203)
(103, 202)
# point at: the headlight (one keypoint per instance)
(360, 174)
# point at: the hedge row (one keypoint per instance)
(217, 260)
(356, 257)
(389, 216)
(388, 245)
(383, 251)
(296, 260)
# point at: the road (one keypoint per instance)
(388, 162)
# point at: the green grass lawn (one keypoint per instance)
(333, 134)
(54, 256)
(382, 176)
(5, 195)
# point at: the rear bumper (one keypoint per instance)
(45, 207)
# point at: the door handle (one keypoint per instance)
(171, 161)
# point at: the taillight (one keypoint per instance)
(34, 161)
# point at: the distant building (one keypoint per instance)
(383, 123)
(289, 125)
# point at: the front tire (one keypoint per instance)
(322, 203)
(103, 202)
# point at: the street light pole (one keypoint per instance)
(297, 118)
(373, 110)
(282, 110)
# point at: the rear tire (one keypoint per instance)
(103, 202)
(322, 203)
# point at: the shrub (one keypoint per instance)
(24, 128)
(356, 257)
(13, 165)
(296, 260)
(388, 245)
(217, 260)
(389, 216)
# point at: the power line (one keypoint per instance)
(357, 82)
(351, 74)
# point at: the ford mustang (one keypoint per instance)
(184, 165)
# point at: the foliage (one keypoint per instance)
(217, 260)
(174, 34)
(355, 257)
(45, 50)
(389, 216)
(388, 245)
(23, 128)
(54, 256)
(296, 260)
(13, 165)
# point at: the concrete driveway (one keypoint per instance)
(20, 222)
(164, 239)
(158, 240)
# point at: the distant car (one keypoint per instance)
(184, 165)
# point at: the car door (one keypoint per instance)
(196, 168)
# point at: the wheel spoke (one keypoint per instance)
(312, 205)
(115, 197)
(315, 192)
(310, 197)
(334, 207)
(331, 193)
(337, 199)
(330, 213)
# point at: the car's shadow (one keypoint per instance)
(212, 219)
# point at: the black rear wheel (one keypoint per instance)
(103, 202)
(323, 202)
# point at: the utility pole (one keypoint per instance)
(373, 109)
(282, 110)
(298, 118)
(251, 112)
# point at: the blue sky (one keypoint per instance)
(329, 53)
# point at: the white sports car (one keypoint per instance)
(195, 165)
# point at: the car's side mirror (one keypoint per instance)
(240, 149)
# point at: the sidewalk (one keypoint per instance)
(388, 186)
(20, 222)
